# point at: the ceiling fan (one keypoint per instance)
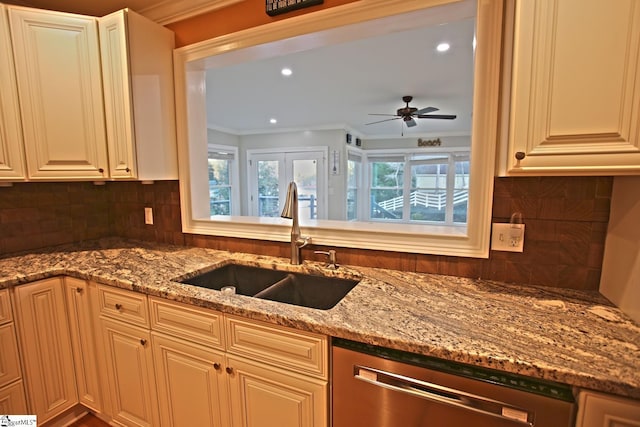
(408, 114)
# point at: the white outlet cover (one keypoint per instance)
(507, 237)
(148, 216)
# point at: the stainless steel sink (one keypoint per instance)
(306, 290)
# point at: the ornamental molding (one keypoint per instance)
(168, 11)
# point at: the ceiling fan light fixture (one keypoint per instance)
(443, 47)
(408, 114)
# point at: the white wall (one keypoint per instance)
(620, 280)
(222, 138)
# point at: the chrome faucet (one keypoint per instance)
(290, 211)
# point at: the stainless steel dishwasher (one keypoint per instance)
(379, 387)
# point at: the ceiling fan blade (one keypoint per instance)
(380, 121)
(390, 115)
(426, 110)
(437, 116)
(410, 123)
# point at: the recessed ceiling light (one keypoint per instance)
(286, 72)
(273, 121)
(443, 47)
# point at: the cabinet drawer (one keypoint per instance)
(282, 347)
(188, 322)
(9, 360)
(5, 307)
(123, 305)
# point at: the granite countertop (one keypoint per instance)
(572, 337)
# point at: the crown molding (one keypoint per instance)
(168, 11)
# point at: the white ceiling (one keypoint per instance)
(338, 86)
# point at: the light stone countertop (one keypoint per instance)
(572, 337)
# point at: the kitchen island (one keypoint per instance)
(571, 337)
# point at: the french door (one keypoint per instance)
(270, 173)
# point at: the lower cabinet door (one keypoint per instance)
(192, 388)
(130, 372)
(12, 399)
(49, 372)
(83, 343)
(602, 410)
(262, 395)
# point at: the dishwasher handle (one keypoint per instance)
(445, 395)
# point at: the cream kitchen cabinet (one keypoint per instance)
(231, 371)
(87, 98)
(46, 347)
(59, 85)
(124, 328)
(191, 383)
(83, 343)
(188, 351)
(262, 392)
(276, 373)
(12, 399)
(137, 71)
(12, 165)
(601, 410)
(574, 103)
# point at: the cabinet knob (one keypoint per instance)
(216, 366)
(143, 341)
(229, 370)
(101, 170)
(127, 170)
(118, 306)
(520, 155)
(79, 290)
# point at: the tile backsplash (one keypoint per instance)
(35, 215)
(566, 222)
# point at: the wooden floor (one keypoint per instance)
(89, 420)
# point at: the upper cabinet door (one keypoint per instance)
(118, 97)
(11, 146)
(60, 88)
(574, 95)
(137, 66)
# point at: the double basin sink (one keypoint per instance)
(306, 290)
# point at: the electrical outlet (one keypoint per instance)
(148, 216)
(507, 237)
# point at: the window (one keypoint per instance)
(414, 187)
(192, 62)
(354, 182)
(223, 172)
(386, 188)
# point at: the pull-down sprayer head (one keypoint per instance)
(290, 209)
